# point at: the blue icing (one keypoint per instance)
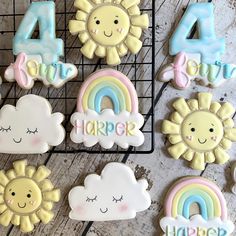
(47, 46)
(106, 92)
(201, 203)
(207, 45)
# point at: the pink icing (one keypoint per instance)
(123, 207)
(181, 78)
(36, 141)
(20, 75)
(108, 72)
(194, 180)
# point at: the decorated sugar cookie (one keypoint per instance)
(211, 217)
(38, 59)
(109, 29)
(27, 196)
(200, 58)
(114, 195)
(234, 178)
(30, 126)
(200, 130)
(120, 125)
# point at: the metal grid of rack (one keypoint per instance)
(139, 68)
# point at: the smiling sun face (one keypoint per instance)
(200, 131)
(109, 28)
(27, 196)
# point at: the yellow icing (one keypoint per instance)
(202, 122)
(27, 196)
(104, 24)
(200, 130)
(109, 29)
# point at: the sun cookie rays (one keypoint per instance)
(109, 28)
(200, 130)
(26, 196)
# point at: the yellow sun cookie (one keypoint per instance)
(109, 29)
(27, 196)
(200, 130)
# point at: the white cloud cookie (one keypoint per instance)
(115, 195)
(30, 127)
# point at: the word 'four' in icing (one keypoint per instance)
(39, 58)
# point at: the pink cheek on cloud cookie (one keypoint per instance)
(80, 209)
(123, 208)
(35, 141)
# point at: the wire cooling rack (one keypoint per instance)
(139, 68)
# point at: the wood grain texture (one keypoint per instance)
(160, 170)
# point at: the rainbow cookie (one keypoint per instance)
(27, 196)
(200, 130)
(109, 196)
(119, 125)
(197, 58)
(38, 59)
(212, 217)
(109, 29)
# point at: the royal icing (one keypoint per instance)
(30, 126)
(197, 58)
(109, 29)
(38, 59)
(234, 178)
(120, 125)
(27, 196)
(212, 219)
(200, 130)
(114, 195)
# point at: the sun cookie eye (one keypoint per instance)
(116, 22)
(28, 195)
(211, 130)
(13, 193)
(97, 22)
(193, 129)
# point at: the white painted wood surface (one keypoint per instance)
(160, 170)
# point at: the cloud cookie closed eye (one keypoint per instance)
(30, 127)
(109, 196)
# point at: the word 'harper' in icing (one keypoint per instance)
(188, 67)
(121, 125)
(109, 196)
(200, 130)
(109, 29)
(212, 220)
(30, 126)
(27, 196)
(197, 58)
(39, 58)
(234, 178)
(27, 69)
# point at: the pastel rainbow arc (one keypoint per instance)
(197, 190)
(108, 83)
